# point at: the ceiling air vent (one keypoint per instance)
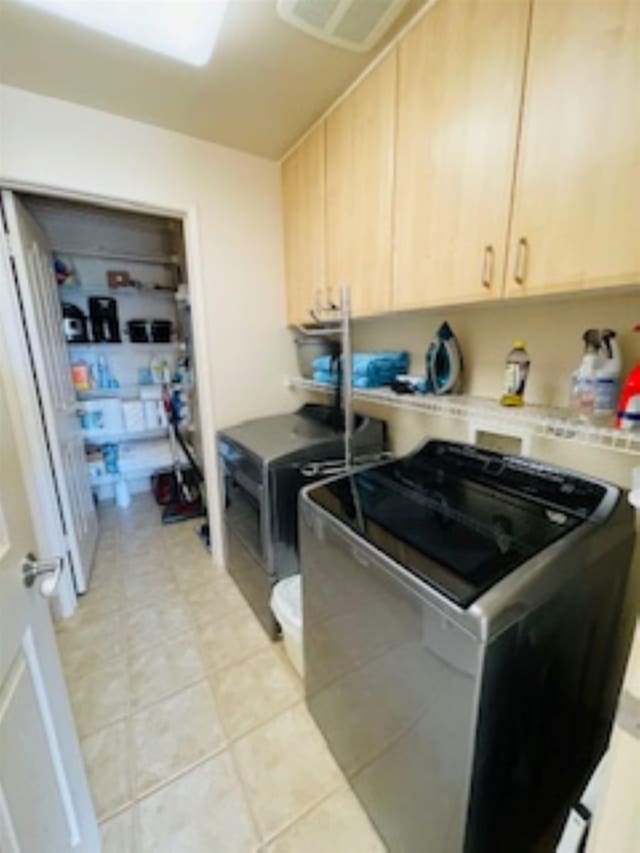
(352, 24)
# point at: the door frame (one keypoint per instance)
(41, 487)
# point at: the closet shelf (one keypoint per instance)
(116, 292)
(542, 421)
(116, 437)
(162, 260)
(130, 344)
(121, 391)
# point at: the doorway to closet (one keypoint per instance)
(103, 295)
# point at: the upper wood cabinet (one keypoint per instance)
(460, 72)
(303, 203)
(495, 151)
(360, 138)
(576, 219)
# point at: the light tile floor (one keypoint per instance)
(193, 725)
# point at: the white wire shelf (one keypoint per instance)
(164, 345)
(541, 421)
(97, 437)
(105, 254)
(132, 390)
(125, 391)
(116, 292)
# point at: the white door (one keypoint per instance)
(45, 805)
(42, 316)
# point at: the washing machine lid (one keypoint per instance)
(286, 435)
(459, 517)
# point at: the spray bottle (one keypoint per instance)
(609, 365)
(584, 382)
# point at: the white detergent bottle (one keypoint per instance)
(608, 368)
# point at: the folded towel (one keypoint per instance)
(371, 381)
(323, 363)
(391, 359)
(325, 376)
(365, 382)
(385, 361)
(377, 368)
(356, 381)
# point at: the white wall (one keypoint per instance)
(551, 328)
(236, 201)
(236, 196)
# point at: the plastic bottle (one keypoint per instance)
(584, 382)
(160, 370)
(103, 373)
(123, 496)
(81, 376)
(608, 368)
(110, 456)
(628, 415)
(629, 405)
(516, 373)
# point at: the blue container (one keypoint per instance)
(110, 456)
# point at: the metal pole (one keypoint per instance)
(347, 402)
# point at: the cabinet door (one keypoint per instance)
(360, 139)
(303, 187)
(576, 220)
(460, 76)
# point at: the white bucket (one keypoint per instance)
(286, 604)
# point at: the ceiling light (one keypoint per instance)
(182, 29)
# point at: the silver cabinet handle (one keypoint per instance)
(520, 266)
(487, 266)
(32, 569)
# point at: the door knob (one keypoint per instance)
(32, 569)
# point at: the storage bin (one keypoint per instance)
(286, 604)
(100, 417)
(133, 416)
(161, 331)
(309, 348)
(155, 416)
(138, 331)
